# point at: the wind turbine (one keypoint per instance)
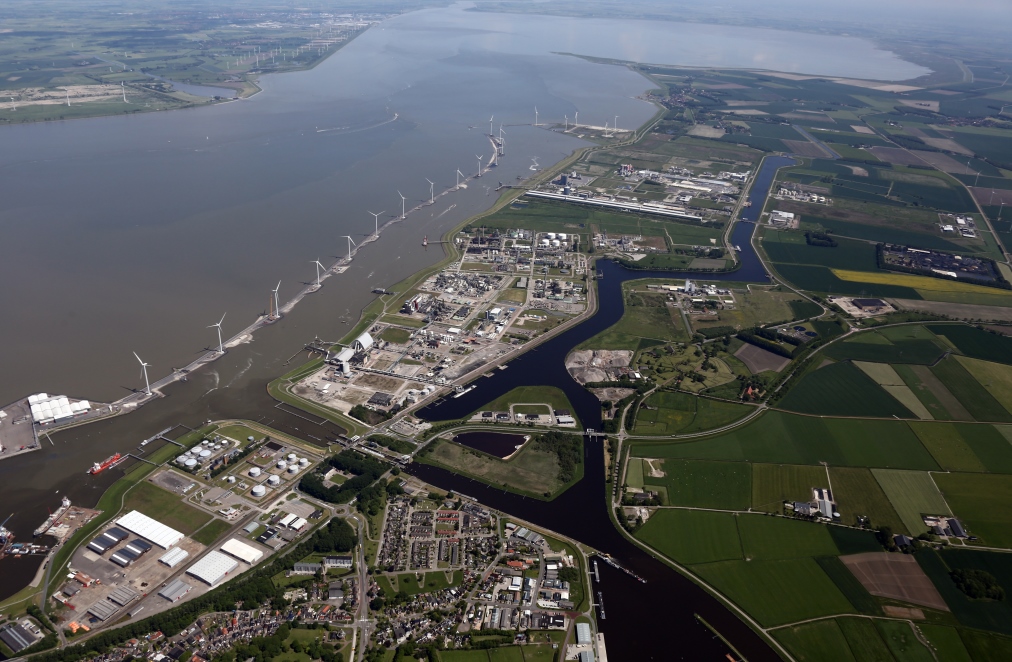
(576, 122)
(376, 217)
(536, 116)
(350, 244)
(479, 163)
(432, 197)
(567, 122)
(68, 95)
(459, 175)
(615, 126)
(14, 103)
(403, 214)
(502, 141)
(221, 348)
(144, 367)
(277, 308)
(122, 86)
(318, 267)
(490, 125)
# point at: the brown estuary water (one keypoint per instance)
(134, 233)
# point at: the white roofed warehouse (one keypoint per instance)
(242, 551)
(213, 568)
(140, 524)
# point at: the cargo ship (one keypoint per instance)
(53, 518)
(110, 461)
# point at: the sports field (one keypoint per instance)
(913, 495)
(777, 592)
(857, 493)
(765, 538)
(772, 484)
(712, 536)
(705, 483)
(983, 502)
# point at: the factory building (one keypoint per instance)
(106, 541)
(174, 557)
(133, 551)
(55, 408)
(175, 591)
(242, 551)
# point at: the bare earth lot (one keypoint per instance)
(895, 576)
(595, 365)
(758, 359)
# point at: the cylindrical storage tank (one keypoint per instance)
(292, 469)
(255, 471)
(259, 491)
(282, 464)
(230, 479)
(191, 463)
(249, 438)
(205, 453)
(182, 459)
(217, 447)
(556, 243)
(303, 462)
(550, 235)
(292, 457)
(563, 236)
(206, 442)
(545, 242)
(274, 480)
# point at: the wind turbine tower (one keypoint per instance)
(350, 244)
(536, 116)
(615, 126)
(376, 217)
(318, 267)
(122, 87)
(490, 132)
(277, 308)
(14, 103)
(221, 348)
(403, 213)
(502, 142)
(144, 368)
(479, 163)
(432, 185)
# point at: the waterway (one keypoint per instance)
(134, 233)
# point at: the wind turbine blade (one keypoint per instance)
(138, 358)
(222, 319)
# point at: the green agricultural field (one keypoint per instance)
(777, 592)
(976, 343)
(714, 535)
(913, 494)
(984, 646)
(817, 642)
(947, 445)
(916, 350)
(841, 389)
(946, 641)
(994, 450)
(983, 503)
(981, 614)
(791, 248)
(211, 531)
(858, 596)
(704, 483)
(865, 639)
(822, 279)
(463, 656)
(634, 472)
(971, 395)
(677, 413)
(903, 642)
(932, 393)
(772, 484)
(166, 507)
(766, 538)
(858, 493)
(995, 377)
(782, 438)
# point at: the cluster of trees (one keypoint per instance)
(396, 445)
(250, 589)
(370, 416)
(267, 648)
(756, 337)
(978, 584)
(366, 470)
(820, 239)
(567, 447)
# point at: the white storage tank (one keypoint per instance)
(274, 481)
(556, 243)
(292, 469)
(259, 491)
(254, 472)
(292, 457)
(550, 235)
(545, 242)
(191, 463)
(282, 464)
(206, 442)
(182, 459)
(303, 462)
(249, 438)
(563, 236)
(205, 454)
(230, 479)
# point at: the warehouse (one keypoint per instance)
(103, 610)
(175, 591)
(131, 552)
(174, 557)
(212, 568)
(583, 633)
(108, 540)
(123, 595)
(140, 524)
(242, 551)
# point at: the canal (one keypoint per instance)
(637, 613)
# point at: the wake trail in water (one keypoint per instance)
(249, 364)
